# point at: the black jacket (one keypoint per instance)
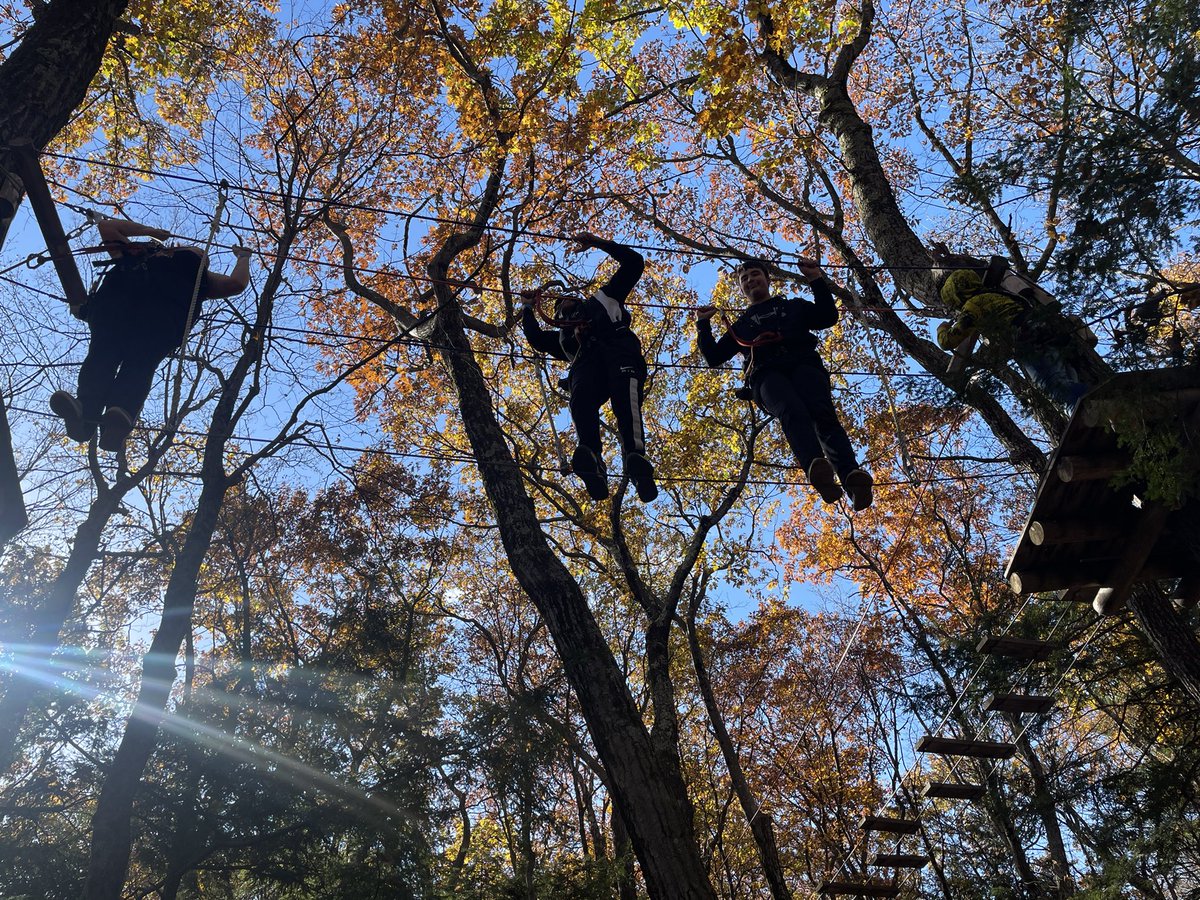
(793, 320)
(601, 332)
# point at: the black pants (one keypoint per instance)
(800, 397)
(128, 344)
(597, 379)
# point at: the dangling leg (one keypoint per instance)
(144, 353)
(777, 395)
(588, 393)
(627, 389)
(811, 382)
(96, 374)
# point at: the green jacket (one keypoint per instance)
(990, 313)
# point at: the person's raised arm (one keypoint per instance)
(823, 312)
(715, 353)
(114, 233)
(235, 282)
(631, 264)
(539, 339)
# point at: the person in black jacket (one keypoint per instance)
(607, 366)
(138, 316)
(786, 375)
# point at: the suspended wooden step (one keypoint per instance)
(900, 860)
(858, 889)
(889, 825)
(1088, 532)
(945, 746)
(1018, 648)
(948, 790)
(1019, 703)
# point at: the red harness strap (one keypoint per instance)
(767, 337)
(539, 298)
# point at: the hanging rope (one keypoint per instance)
(222, 199)
(906, 465)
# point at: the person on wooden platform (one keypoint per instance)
(1027, 326)
(593, 334)
(138, 315)
(787, 377)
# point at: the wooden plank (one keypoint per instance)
(1018, 648)
(1092, 573)
(1073, 531)
(858, 889)
(1074, 595)
(30, 171)
(899, 860)
(1019, 703)
(944, 746)
(890, 825)
(1072, 469)
(946, 790)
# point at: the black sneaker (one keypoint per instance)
(115, 426)
(590, 468)
(66, 407)
(858, 485)
(641, 473)
(822, 476)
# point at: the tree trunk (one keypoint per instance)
(1044, 805)
(47, 77)
(51, 610)
(626, 885)
(657, 812)
(761, 825)
(1173, 642)
(112, 835)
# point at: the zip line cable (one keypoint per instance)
(465, 457)
(424, 217)
(215, 225)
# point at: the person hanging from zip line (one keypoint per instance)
(990, 300)
(140, 314)
(593, 334)
(786, 376)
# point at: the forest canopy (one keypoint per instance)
(336, 620)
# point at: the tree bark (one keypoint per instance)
(653, 801)
(761, 824)
(112, 835)
(47, 77)
(51, 610)
(1044, 805)
(1170, 637)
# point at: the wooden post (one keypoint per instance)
(26, 160)
(13, 517)
(1111, 597)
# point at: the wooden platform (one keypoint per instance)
(1018, 648)
(946, 790)
(944, 746)
(858, 889)
(889, 825)
(899, 860)
(1088, 537)
(1019, 703)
